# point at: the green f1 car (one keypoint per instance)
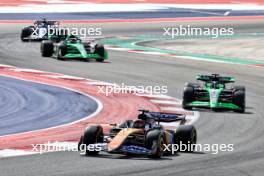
(214, 94)
(72, 47)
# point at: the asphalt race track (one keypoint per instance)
(24, 106)
(245, 131)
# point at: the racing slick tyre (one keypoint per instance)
(62, 51)
(80, 146)
(26, 32)
(242, 88)
(239, 100)
(155, 143)
(193, 85)
(100, 50)
(188, 96)
(92, 135)
(46, 48)
(186, 135)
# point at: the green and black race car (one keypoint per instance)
(72, 47)
(214, 94)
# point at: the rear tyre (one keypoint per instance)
(93, 135)
(100, 60)
(239, 100)
(46, 48)
(26, 32)
(155, 143)
(80, 146)
(193, 85)
(242, 88)
(186, 135)
(100, 50)
(188, 97)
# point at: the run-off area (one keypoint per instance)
(27, 106)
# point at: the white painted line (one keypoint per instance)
(198, 58)
(26, 70)
(166, 102)
(64, 77)
(53, 146)
(176, 109)
(118, 49)
(61, 6)
(99, 83)
(154, 96)
(209, 13)
(149, 52)
(191, 119)
(169, 55)
(227, 13)
(8, 66)
(14, 152)
(80, 7)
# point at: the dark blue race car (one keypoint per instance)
(39, 31)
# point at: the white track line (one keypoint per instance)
(65, 77)
(166, 102)
(12, 152)
(26, 70)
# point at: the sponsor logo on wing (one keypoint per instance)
(134, 149)
(214, 96)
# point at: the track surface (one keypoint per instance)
(24, 106)
(245, 131)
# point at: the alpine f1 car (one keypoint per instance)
(39, 31)
(143, 136)
(214, 93)
(66, 46)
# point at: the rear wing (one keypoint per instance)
(50, 23)
(161, 117)
(215, 77)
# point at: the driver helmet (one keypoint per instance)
(73, 39)
(139, 124)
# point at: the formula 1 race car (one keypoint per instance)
(143, 136)
(214, 94)
(66, 46)
(39, 31)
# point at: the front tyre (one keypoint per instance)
(188, 97)
(238, 87)
(62, 51)
(155, 143)
(240, 100)
(92, 135)
(47, 48)
(26, 32)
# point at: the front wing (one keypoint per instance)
(219, 105)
